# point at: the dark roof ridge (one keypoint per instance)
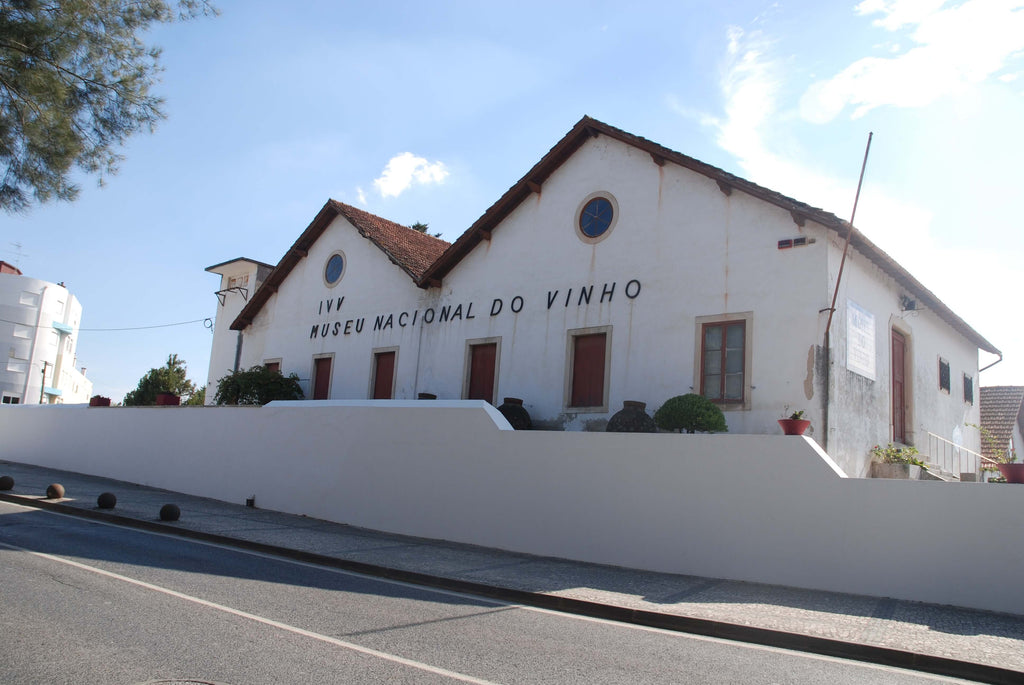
(588, 127)
(409, 249)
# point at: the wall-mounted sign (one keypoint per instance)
(860, 340)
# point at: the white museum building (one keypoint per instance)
(615, 269)
(39, 324)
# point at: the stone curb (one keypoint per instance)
(873, 654)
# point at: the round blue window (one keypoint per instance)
(596, 217)
(335, 267)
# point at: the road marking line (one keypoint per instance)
(525, 607)
(259, 619)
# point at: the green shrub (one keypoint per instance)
(690, 413)
(258, 385)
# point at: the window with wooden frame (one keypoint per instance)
(944, 380)
(588, 369)
(723, 358)
(272, 365)
(968, 389)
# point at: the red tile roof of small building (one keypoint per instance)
(1002, 407)
(410, 250)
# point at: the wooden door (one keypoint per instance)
(899, 388)
(481, 371)
(383, 375)
(322, 378)
(588, 371)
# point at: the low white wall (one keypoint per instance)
(766, 509)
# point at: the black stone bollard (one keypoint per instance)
(106, 500)
(6, 483)
(54, 491)
(170, 512)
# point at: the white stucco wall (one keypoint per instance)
(29, 308)
(680, 245)
(681, 250)
(757, 508)
(869, 401)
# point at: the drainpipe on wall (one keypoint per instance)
(238, 352)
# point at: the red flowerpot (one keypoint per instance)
(794, 426)
(1013, 473)
(97, 401)
(166, 399)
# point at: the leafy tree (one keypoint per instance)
(422, 228)
(172, 378)
(258, 385)
(691, 413)
(198, 398)
(75, 81)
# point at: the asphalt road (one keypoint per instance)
(84, 602)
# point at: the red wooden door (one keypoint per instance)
(899, 400)
(588, 371)
(321, 378)
(481, 371)
(383, 375)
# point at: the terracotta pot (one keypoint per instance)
(98, 401)
(794, 426)
(166, 399)
(1013, 473)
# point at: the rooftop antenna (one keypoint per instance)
(19, 254)
(849, 234)
(832, 309)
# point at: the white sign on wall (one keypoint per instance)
(860, 340)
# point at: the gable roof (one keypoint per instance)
(588, 128)
(410, 250)
(1001, 407)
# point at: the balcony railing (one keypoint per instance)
(954, 458)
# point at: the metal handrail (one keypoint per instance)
(953, 458)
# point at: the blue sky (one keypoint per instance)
(429, 111)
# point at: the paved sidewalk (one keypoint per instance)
(761, 613)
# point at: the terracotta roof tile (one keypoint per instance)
(410, 250)
(1001, 408)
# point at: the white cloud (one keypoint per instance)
(361, 195)
(405, 170)
(751, 131)
(954, 47)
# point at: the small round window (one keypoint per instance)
(334, 269)
(596, 217)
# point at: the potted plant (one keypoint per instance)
(1005, 459)
(896, 462)
(796, 424)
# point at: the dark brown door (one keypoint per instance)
(899, 399)
(383, 375)
(321, 378)
(588, 371)
(481, 371)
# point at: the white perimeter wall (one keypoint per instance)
(759, 508)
